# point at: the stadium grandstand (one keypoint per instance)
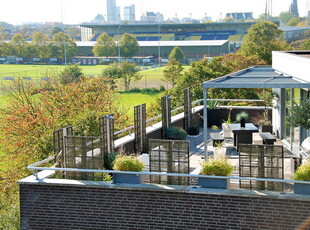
(196, 40)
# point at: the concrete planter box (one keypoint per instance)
(213, 183)
(302, 188)
(126, 178)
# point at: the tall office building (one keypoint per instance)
(294, 8)
(129, 13)
(113, 12)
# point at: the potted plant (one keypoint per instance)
(216, 167)
(175, 133)
(265, 124)
(194, 129)
(127, 163)
(219, 151)
(242, 118)
(227, 133)
(302, 174)
(213, 114)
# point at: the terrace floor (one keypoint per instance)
(197, 154)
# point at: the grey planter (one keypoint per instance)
(265, 128)
(213, 183)
(126, 178)
(302, 188)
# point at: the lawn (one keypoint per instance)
(37, 71)
(129, 100)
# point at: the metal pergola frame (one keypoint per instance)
(253, 77)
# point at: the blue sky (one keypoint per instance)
(78, 11)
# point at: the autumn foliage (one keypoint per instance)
(35, 111)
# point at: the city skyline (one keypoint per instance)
(76, 12)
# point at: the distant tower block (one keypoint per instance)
(294, 8)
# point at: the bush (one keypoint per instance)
(303, 172)
(176, 133)
(109, 161)
(145, 90)
(128, 163)
(216, 167)
(70, 74)
(241, 115)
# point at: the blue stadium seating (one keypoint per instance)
(181, 35)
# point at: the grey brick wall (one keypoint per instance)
(55, 207)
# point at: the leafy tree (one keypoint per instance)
(129, 46)
(173, 71)
(125, 72)
(261, 39)
(177, 54)
(205, 70)
(74, 32)
(33, 113)
(105, 46)
(300, 115)
(71, 74)
(285, 16)
(305, 45)
(41, 45)
(18, 45)
(293, 22)
(62, 42)
(111, 74)
(4, 48)
(56, 30)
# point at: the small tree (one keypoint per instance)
(173, 71)
(18, 44)
(293, 22)
(111, 74)
(177, 54)
(70, 74)
(62, 43)
(105, 46)
(129, 46)
(126, 72)
(300, 115)
(261, 39)
(41, 45)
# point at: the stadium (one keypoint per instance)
(196, 40)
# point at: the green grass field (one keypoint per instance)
(38, 70)
(152, 78)
(129, 100)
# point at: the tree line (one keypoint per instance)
(40, 46)
(62, 44)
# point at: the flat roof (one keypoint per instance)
(256, 77)
(167, 43)
(168, 25)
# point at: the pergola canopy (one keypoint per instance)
(256, 77)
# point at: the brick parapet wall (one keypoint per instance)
(104, 206)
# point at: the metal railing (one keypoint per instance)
(35, 170)
(149, 121)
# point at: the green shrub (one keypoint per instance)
(216, 167)
(70, 74)
(241, 115)
(109, 161)
(176, 133)
(128, 163)
(303, 172)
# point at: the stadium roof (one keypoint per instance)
(256, 77)
(168, 43)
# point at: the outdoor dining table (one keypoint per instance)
(243, 135)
